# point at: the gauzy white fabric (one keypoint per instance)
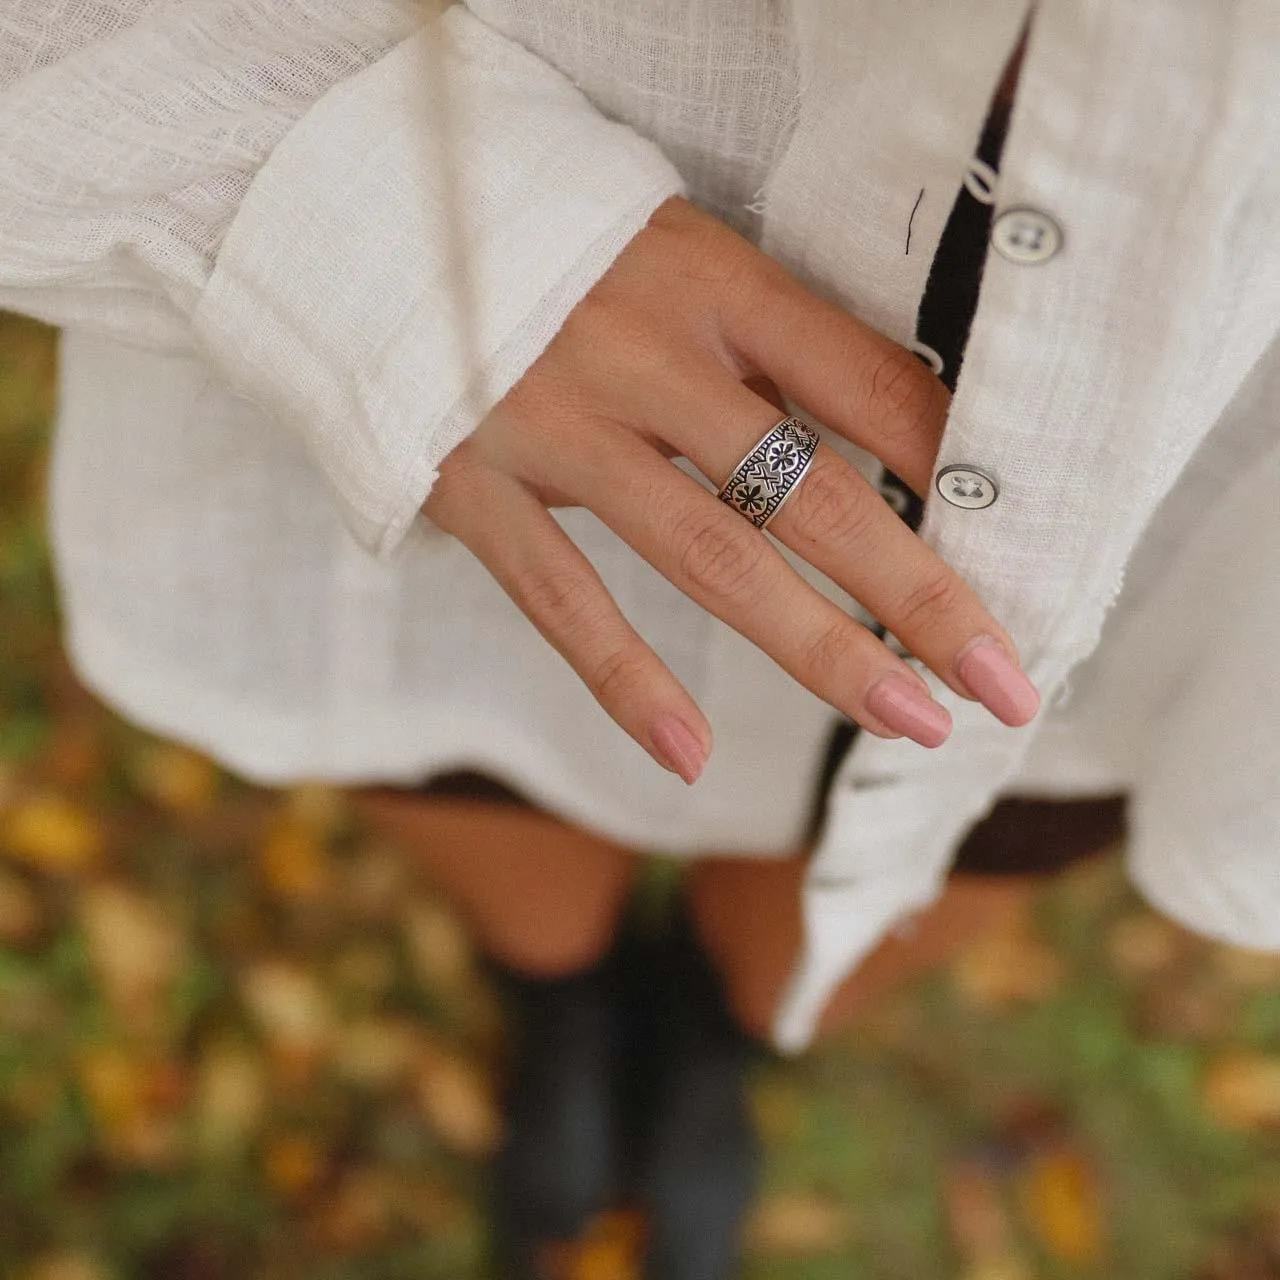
(300, 248)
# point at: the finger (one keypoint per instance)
(556, 588)
(716, 558)
(844, 373)
(841, 525)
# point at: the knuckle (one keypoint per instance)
(830, 654)
(618, 676)
(930, 602)
(560, 603)
(718, 557)
(829, 508)
(905, 399)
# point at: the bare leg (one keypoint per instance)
(543, 897)
(748, 915)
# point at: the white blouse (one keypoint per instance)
(300, 247)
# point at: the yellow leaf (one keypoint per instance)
(1242, 1091)
(1008, 966)
(293, 859)
(112, 1082)
(177, 779)
(1063, 1205)
(375, 1052)
(439, 947)
(798, 1222)
(1144, 944)
(610, 1249)
(456, 1101)
(290, 1006)
(51, 834)
(322, 808)
(231, 1099)
(136, 947)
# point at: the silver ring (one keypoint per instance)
(759, 485)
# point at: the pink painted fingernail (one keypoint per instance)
(993, 677)
(678, 747)
(903, 705)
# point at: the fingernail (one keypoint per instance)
(998, 682)
(903, 705)
(678, 747)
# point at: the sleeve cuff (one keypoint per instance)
(458, 159)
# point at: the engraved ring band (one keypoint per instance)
(759, 485)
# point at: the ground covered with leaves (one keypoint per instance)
(239, 1038)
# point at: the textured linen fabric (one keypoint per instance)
(300, 247)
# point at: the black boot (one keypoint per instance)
(558, 1167)
(689, 1116)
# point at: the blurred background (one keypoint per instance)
(239, 1038)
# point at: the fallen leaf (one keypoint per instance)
(230, 1099)
(610, 1249)
(293, 859)
(1063, 1205)
(1007, 967)
(375, 883)
(1242, 1091)
(176, 778)
(1143, 944)
(457, 1101)
(136, 948)
(322, 808)
(798, 1223)
(52, 835)
(117, 1086)
(439, 947)
(289, 1005)
(375, 1053)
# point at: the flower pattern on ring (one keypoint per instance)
(752, 497)
(784, 456)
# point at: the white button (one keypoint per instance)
(1026, 236)
(965, 487)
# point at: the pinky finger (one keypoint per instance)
(555, 586)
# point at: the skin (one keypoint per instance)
(683, 349)
(667, 356)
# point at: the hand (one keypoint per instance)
(660, 360)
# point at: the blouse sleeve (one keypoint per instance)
(369, 224)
